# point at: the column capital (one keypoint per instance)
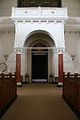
(19, 50)
(60, 50)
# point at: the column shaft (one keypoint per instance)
(18, 69)
(60, 67)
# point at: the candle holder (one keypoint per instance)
(73, 57)
(6, 56)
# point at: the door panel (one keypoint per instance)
(39, 66)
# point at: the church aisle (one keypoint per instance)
(39, 102)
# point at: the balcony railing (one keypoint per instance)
(39, 12)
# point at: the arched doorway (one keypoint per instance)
(39, 63)
(37, 21)
(39, 56)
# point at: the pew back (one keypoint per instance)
(8, 90)
(71, 90)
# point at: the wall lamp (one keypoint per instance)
(6, 56)
(73, 57)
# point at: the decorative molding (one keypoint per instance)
(60, 50)
(73, 24)
(73, 20)
(72, 32)
(6, 32)
(39, 21)
(60, 84)
(19, 50)
(19, 84)
(39, 13)
(3, 66)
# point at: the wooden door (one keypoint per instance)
(39, 66)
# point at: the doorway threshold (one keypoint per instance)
(39, 80)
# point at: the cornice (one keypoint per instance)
(72, 24)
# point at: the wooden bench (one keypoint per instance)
(8, 91)
(71, 90)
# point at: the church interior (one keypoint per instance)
(40, 59)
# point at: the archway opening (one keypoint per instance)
(39, 63)
(39, 56)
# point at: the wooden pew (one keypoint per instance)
(8, 91)
(71, 90)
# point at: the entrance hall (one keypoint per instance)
(39, 41)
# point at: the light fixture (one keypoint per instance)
(73, 57)
(5, 56)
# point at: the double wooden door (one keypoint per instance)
(40, 66)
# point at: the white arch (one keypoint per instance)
(38, 31)
(40, 39)
(55, 31)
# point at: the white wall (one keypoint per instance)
(72, 43)
(7, 48)
(56, 32)
(0, 48)
(7, 42)
(11, 62)
(55, 63)
(78, 46)
(6, 6)
(73, 7)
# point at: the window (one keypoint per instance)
(32, 3)
(36, 3)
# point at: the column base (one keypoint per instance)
(19, 84)
(60, 84)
